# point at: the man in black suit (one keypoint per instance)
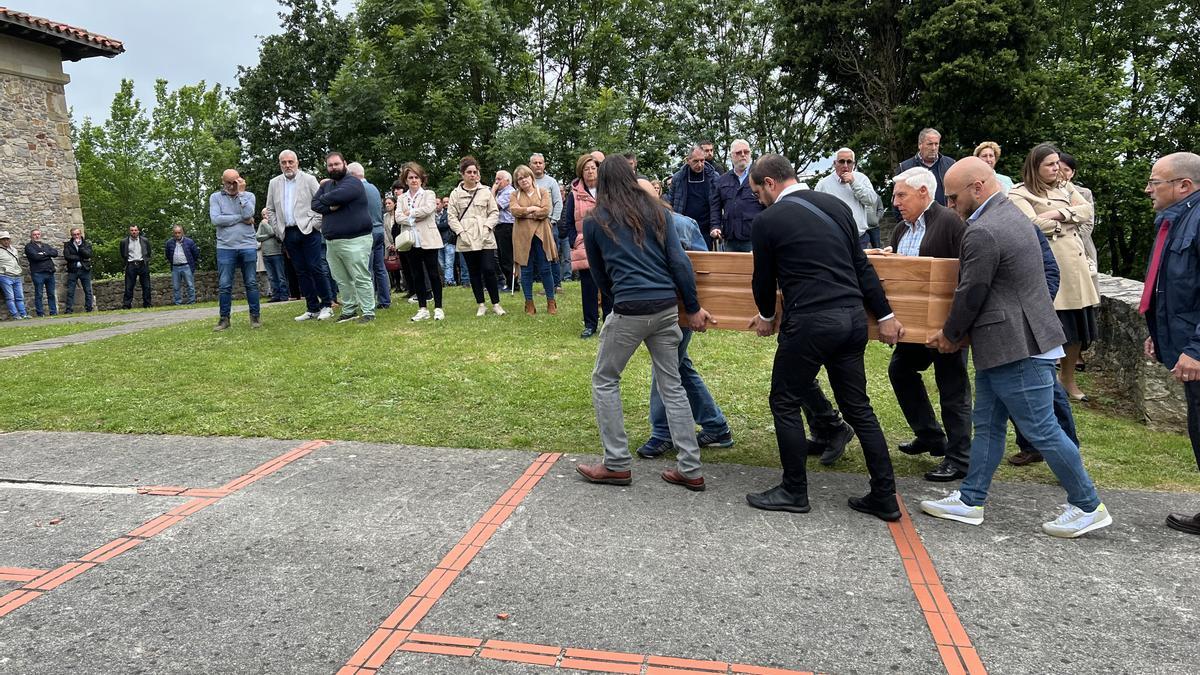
(931, 230)
(1003, 305)
(806, 244)
(135, 253)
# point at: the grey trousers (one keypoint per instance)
(619, 339)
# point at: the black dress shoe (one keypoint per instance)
(817, 446)
(1189, 524)
(837, 445)
(945, 472)
(779, 498)
(881, 509)
(919, 447)
(587, 333)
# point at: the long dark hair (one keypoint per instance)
(621, 202)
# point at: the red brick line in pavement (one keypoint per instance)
(954, 647)
(201, 498)
(20, 574)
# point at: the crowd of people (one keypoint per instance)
(1026, 301)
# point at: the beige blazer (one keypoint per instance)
(473, 220)
(1075, 290)
(306, 219)
(424, 205)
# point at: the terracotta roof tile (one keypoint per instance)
(71, 32)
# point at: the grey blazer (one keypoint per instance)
(306, 219)
(1002, 302)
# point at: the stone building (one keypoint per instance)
(38, 186)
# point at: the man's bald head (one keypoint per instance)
(968, 184)
(1172, 178)
(229, 181)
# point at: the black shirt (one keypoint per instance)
(818, 266)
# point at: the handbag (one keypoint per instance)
(392, 262)
(406, 239)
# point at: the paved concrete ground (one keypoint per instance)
(128, 323)
(293, 556)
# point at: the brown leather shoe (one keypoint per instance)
(530, 309)
(1025, 457)
(598, 473)
(693, 484)
(552, 307)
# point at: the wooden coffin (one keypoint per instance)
(919, 290)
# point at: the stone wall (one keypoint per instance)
(1149, 388)
(38, 185)
(110, 293)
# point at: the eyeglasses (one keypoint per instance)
(1155, 182)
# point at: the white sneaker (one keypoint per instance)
(325, 313)
(438, 314)
(421, 315)
(481, 311)
(413, 300)
(951, 507)
(306, 316)
(1075, 522)
(498, 309)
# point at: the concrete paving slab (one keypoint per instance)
(1121, 600)
(116, 459)
(87, 522)
(655, 569)
(289, 575)
(408, 663)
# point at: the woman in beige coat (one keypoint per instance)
(416, 207)
(533, 240)
(472, 215)
(1060, 211)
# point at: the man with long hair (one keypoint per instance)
(635, 255)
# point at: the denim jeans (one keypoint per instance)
(1023, 390)
(564, 261)
(44, 280)
(539, 265)
(277, 275)
(350, 263)
(619, 339)
(229, 260)
(182, 275)
(84, 277)
(308, 258)
(738, 246)
(446, 260)
(14, 295)
(464, 272)
(379, 275)
(705, 410)
(1062, 413)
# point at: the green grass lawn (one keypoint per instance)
(22, 332)
(495, 382)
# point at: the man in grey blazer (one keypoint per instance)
(289, 211)
(1002, 305)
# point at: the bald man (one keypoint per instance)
(231, 210)
(1003, 306)
(1172, 289)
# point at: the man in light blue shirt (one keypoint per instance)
(231, 210)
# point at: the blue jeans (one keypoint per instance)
(383, 284)
(564, 260)
(180, 275)
(738, 246)
(705, 410)
(464, 273)
(1062, 413)
(14, 295)
(308, 257)
(1023, 390)
(84, 277)
(277, 275)
(446, 260)
(44, 280)
(537, 261)
(228, 261)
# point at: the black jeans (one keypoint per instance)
(1192, 391)
(954, 396)
(588, 291)
(504, 251)
(426, 273)
(135, 271)
(481, 265)
(84, 279)
(835, 339)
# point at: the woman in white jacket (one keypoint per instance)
(472, 215)
(416, 206)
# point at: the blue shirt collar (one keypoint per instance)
(979, 211)
(1176, 210)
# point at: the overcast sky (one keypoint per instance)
(181, 41)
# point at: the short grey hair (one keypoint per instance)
(918, 177)
(1185, 165)
(841, 150)
(355, 169)
(285, 153)
(740, 141)
(926, 132)
(538, 155)
(694, 150)
(507, 176)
